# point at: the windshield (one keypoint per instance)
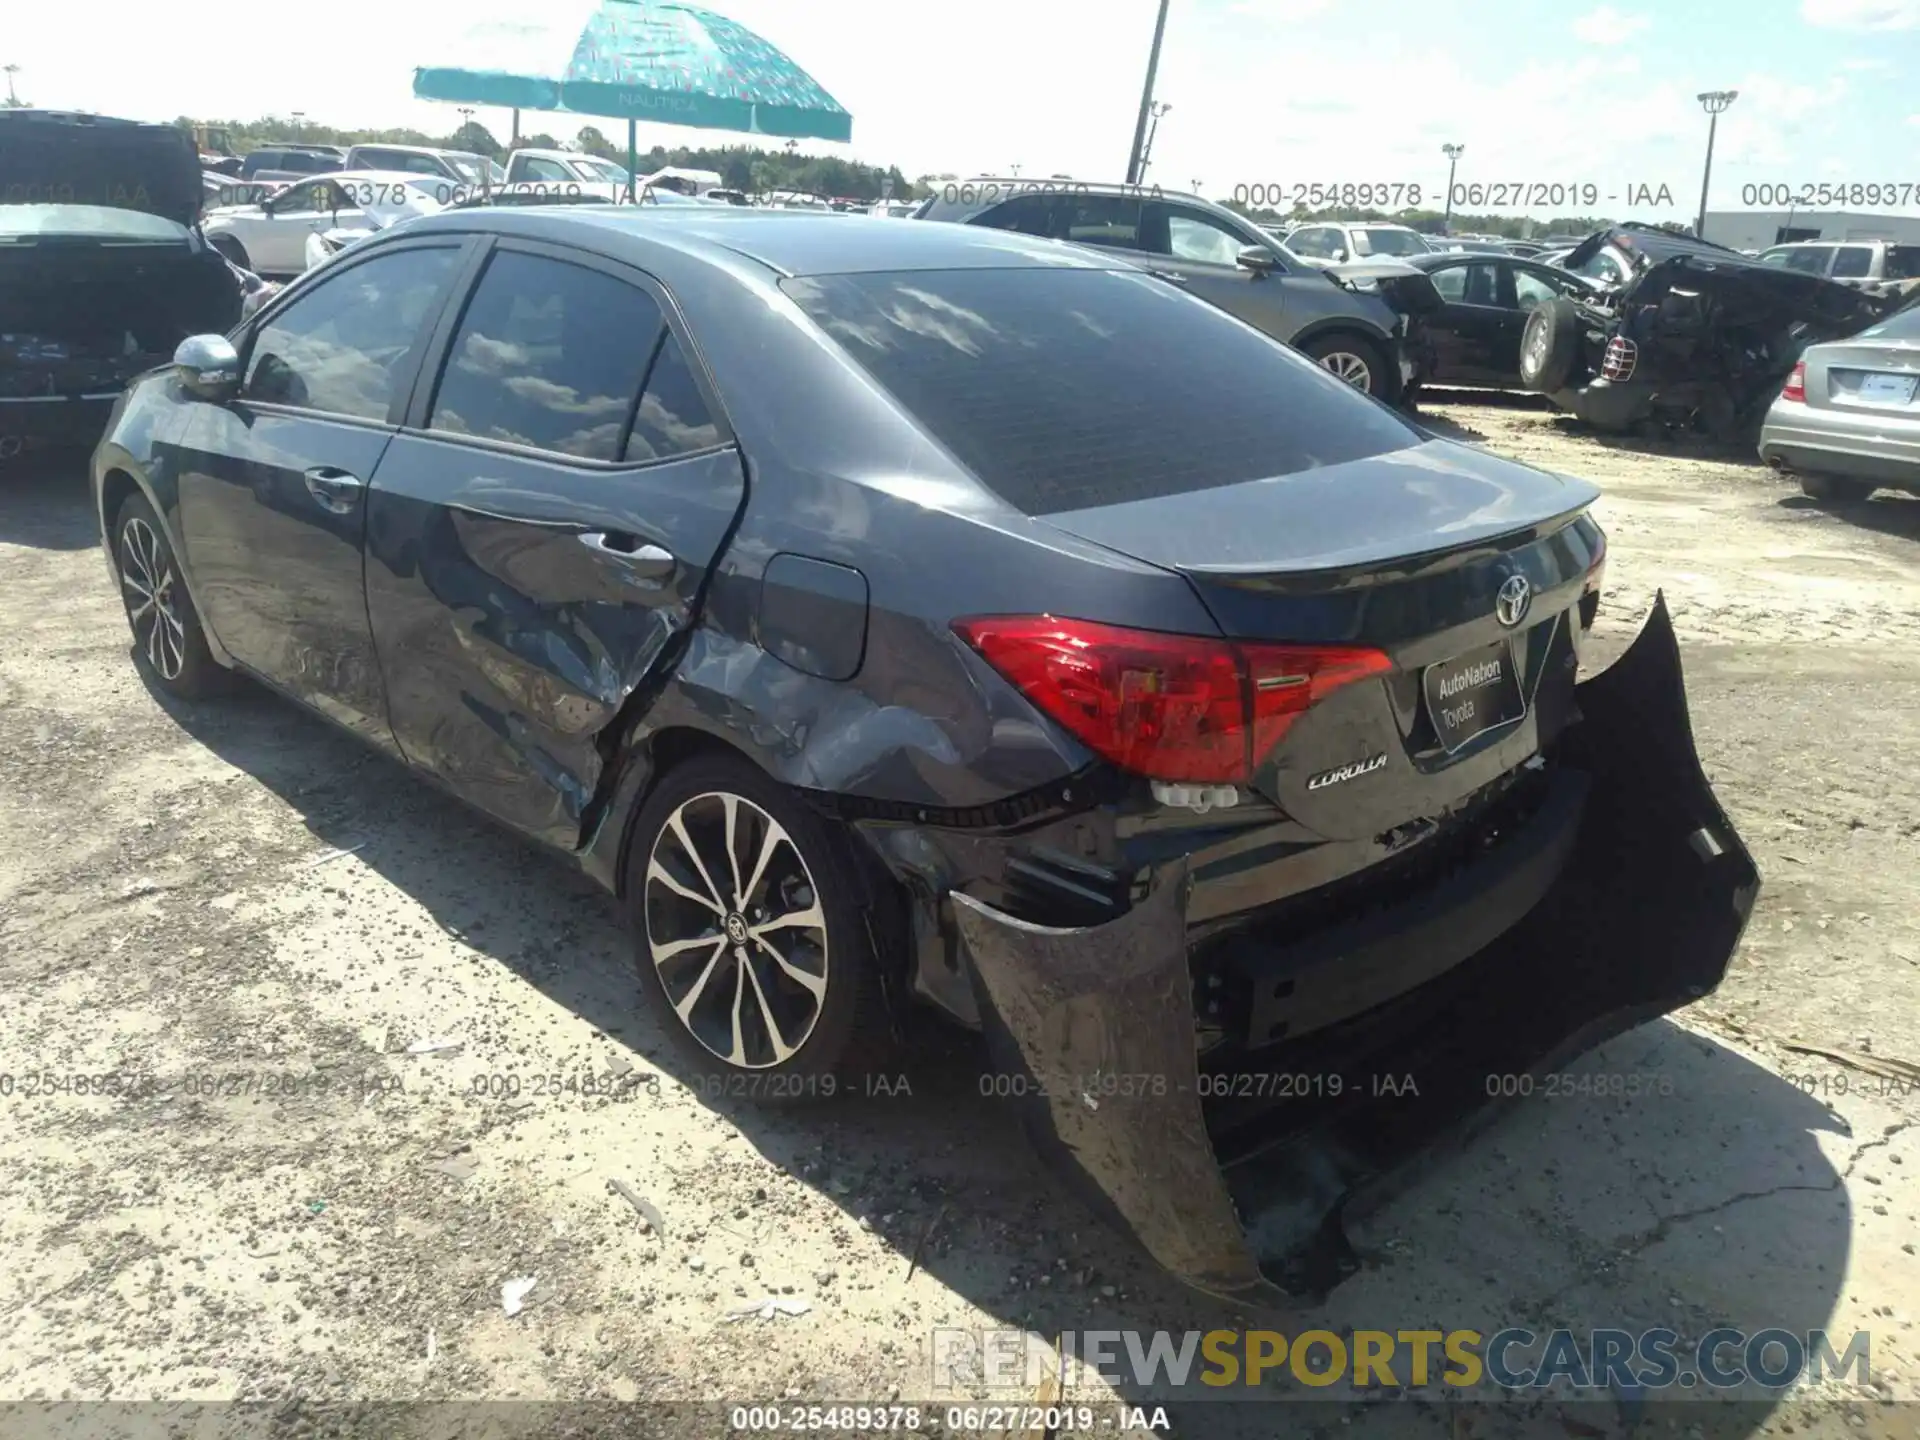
(597, 169)
(1064, 389)
(473, 169)
(98, 221)
(1902, 325)
(1390, 242)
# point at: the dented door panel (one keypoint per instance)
(510, 634)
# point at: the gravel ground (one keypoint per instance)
(298, 1204)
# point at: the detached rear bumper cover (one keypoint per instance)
(1643, 918)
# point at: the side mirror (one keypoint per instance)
(208, 366)
(1258, 259)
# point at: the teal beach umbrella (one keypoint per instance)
(638, 60)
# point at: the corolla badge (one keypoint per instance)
(1347, 772)
(1514, 599)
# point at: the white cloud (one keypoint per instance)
(1862, 14)
(1607, 26)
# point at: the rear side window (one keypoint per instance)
(1903, 262)
(673, 418)
(1851, 262)
(1026, 214)
(1111, 220)
(1064, 390)
(550, 356)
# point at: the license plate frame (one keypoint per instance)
(1507, 700)
(1884, 388)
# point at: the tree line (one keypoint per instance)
(747, 168)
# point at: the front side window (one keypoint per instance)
(340, 347)
(1903, 262)
(550, 356)
(1531, 289)
(1192, 236)
(316, 197)
(1066, 389)
(1811, 259)
(538, 167)
(1317, 241)
(1024, 215)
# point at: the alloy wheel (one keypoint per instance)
(735, 928)
(1537, 348)
(1349, 367)
(147, 578)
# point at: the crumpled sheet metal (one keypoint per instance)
(1643, 919)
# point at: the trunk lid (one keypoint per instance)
(1407, 288)
(53, 157)
(1867, 377)
(1412, 553)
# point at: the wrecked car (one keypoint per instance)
(1694, 337)
(103, 269)
(916, 621)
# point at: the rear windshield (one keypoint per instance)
(101, 221)
(1067, 389)
(1902, 325)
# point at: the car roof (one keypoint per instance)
(783, 241)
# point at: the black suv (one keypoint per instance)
(1366, 336)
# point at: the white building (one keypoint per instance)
(1757, 229)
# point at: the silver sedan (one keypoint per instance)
(1847, 422)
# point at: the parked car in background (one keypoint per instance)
(1871, 265)
(728, 197)
(1324, 243)
(270, 236)
(893, 209)
(1364, 335)
(1080, 665)
(1698, 336)
(271, 162)
(105, 275)
(1525, 249)
(459, 167)
(1455, 244)
(1474, 339)
(1847, 422)
(560, 166)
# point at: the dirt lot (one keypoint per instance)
(298, 1205)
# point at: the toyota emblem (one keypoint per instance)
(1510, 606)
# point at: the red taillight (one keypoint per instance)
(1796, 386)
(1597, 567)
(1170, 707)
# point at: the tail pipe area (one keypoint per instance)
(1643, 918)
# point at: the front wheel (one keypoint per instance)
(750, 938)
(1355, 360)
(169, 645)
(233, 250)
(1833, 489)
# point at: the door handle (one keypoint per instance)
(336, 490)
(1172, 275)
(638, 558)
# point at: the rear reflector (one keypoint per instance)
(1796, 386)
(1169, 707)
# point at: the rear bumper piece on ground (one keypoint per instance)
(1642, 918)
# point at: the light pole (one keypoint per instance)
(1157, 109)
(13, 100)
(1015, 169)
(1136, 158)
(1453, 154)
(1713, 102)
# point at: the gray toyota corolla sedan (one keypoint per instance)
(905, 619)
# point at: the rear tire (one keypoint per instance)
(1549, 345)
(169, 645)
(759, 964)
(1834, 490)
(1354, 359)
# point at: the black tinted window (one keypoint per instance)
(1852, 261)
(672, 419)
(1063, 390)
(1101, 220)
(1028, 214)
(1903, 262)
(548, 355)
(340, 347)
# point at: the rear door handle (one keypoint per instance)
(638, 558)
(336, 490)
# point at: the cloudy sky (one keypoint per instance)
(1263, 91)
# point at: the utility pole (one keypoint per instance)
(13, 100)
(1713, 102)
(1453, 154)
(1135, 156)
(1157, 109)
